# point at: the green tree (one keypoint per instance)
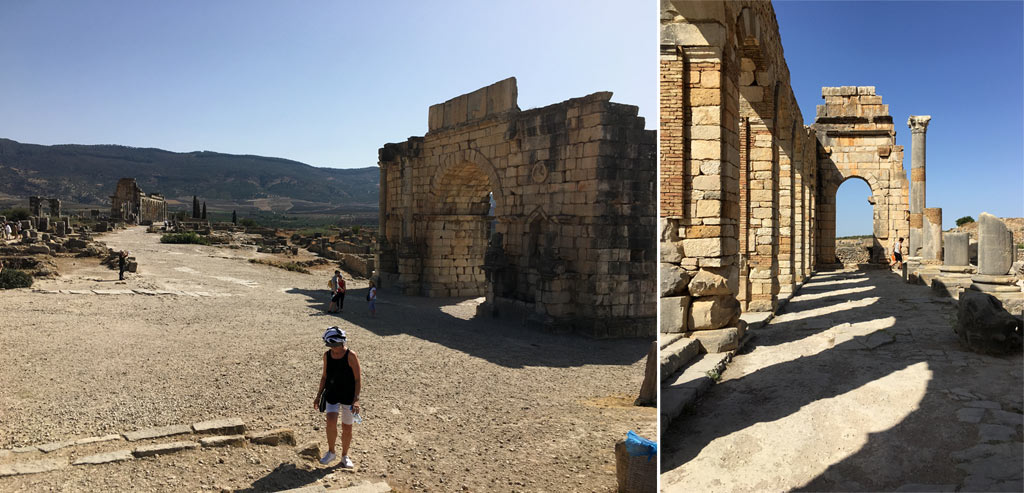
(964, 220)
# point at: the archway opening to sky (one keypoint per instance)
(855, 216)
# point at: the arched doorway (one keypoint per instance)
(459, 230)
(854, 220)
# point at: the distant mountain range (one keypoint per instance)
(87, 174)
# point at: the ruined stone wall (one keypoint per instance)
(152, 209)
(569, 239)
(738, 169)
(857, 140)
(129, 204)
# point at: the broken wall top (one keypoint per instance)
(500, 97)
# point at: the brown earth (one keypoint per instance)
(452, 402)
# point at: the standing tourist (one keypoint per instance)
(371, 297)
(122, 262)
(339, 389)
(337, 286)
(897, 255)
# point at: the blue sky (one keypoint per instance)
(322, 82)
(960, 62)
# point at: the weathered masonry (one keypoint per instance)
(748, 190)
(129, 204)
(549, 213)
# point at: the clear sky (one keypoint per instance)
(960, 62)
(322, 82)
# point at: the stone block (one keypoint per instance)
(163, 448)
(984, 326)
(712, 312)
(673, 280)
(707, 283)
(226, 426)
(158, 432)
(674, 314)
(703, 247)
(309, 450)
(671, 252)
(955, 249)
(32, 467)
(223, 441)
(105, 458)
(717, 340)
(277, 436)
(52, 446)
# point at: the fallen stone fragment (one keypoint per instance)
(313, 488)
(275, 437)
(367, 487)
(227, 426)
(163, 448)
(26, 449)
(309, 450)
(31, 467)
(163, 431)
(105, 438)
(50, 447)
(106, 457)
(223, 441)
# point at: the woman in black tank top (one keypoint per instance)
(340, 384)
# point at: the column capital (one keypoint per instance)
(918, 124)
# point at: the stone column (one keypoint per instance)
(931, 234)
(995, 246)
(918, 126)
(955, 249)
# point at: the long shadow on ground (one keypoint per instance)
(500, 341)
(286, 476)
(918, 448)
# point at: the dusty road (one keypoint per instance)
(859, 385)
(452, 402)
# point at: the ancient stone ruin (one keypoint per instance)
(547, 212)
(35, 206)
(130, 205)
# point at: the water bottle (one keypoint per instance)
(356, 418)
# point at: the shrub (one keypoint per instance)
(183, 238)
(248, 223)
(964, 220)
(16, 214)
(11, 278)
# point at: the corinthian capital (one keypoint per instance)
(918, 124)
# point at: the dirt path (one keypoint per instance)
(860, 385)
(452, 402)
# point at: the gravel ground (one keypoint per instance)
(451, 402)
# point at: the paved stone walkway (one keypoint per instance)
(859, 384)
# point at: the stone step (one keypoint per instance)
(676, 355)
(683, 388)
(756, 320)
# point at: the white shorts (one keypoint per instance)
(345, 409)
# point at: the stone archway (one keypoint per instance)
(856, 139)
(570, 241)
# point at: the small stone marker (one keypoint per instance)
(106, 457)
(223, 441)
(163, 448)
(163, 431)
(275, 437)
(32, 467)
(226, 426)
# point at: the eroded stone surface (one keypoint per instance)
(158, 432)
(105, 457)
(163, 448)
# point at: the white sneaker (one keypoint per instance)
(346, 462)
(328, 458)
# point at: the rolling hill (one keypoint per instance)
(87, 174)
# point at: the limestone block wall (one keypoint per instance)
(856, 139)
(129, 202)
(152, 208)
(548, 212)
(738, 169)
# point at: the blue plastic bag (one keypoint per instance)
(637, 445)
